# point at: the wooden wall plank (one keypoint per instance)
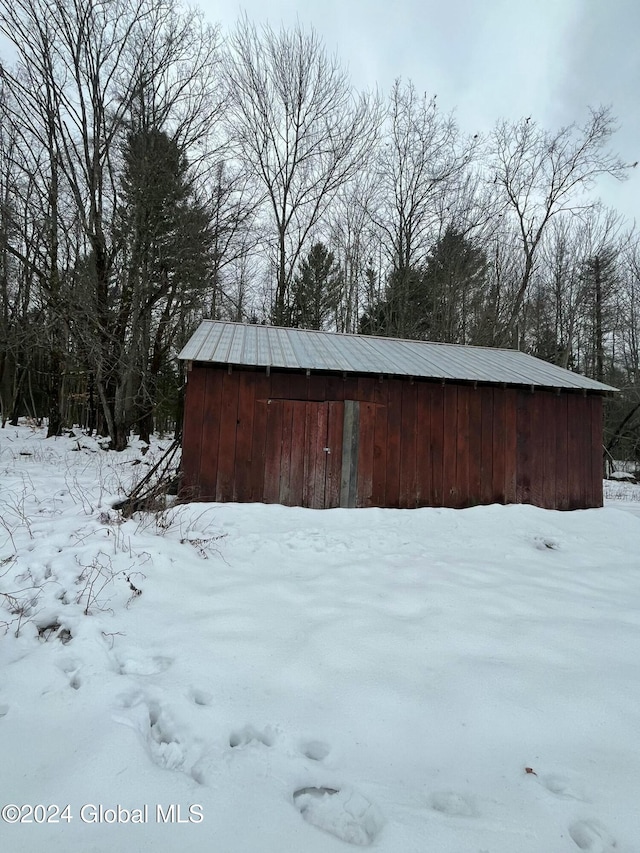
(394, 430)
(321, 454)
(562, 451)
(486, 453)
(575, 457)
(549, 410)
(423, 443)
(367, 388)
(192, 432)
(510, 444)
(596, 406)
(437, 444)
(350, 441)
(462, 447)
(209, 453)
(536, 443)
(273, 449)
(407, 497)
(335, 423)
(227, 443)
(244, 436)
(285, 496)
(379, 475)
(499, 446)
(450, 452)
(365, 454)
(523, 447)
(296, 454)
(310, 444)
(475, 447)
(262, 389)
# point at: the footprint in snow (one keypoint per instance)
(71, 669)
(452, 803)
(346, 814)
(562, 787)
(200, 697)
(152, 665)
(592, 836)
(316, 750)
(248, 735)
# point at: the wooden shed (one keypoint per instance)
(315, 419)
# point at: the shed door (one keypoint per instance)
(303, 457)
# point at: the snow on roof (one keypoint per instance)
(250, 345)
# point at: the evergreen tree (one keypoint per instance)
(316, 289)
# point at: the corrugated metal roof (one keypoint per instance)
(302, 349)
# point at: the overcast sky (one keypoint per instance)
(487, 59)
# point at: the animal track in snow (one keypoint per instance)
(163, 743)
(592, 836)
(248, 735)
(562, 787)
(347, 815)
(151, 665)
(4, 710)
(452, 803)
(316, 750)
(200, 697)
(71, 669)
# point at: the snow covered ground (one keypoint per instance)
(435, 681)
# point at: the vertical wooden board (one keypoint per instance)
(548, 410)
(367, 388)
(227, 443)
(212, 418)
(350, 388)
(244, 436)
(335, 424)
(562, 451)
(596, 449)
(317, 389)
(310, 454)
(192, 433)
(334, 387)
(262, 388)
(297, 453)
(475, 446)
(321, 453)
(299, 386)
(286, 451)
(462, 447)
(499, 449)
(423, 444)
(537, 445)
(450, 495)
(365, 454)
(575, 459)
(583, 476)
(510, 444)
(436, 423)
(408, 496)
(379, 477)
(394, 428)
(350, 442)
(272, 453)
(280, 385)
(486, 445)
(523, 447)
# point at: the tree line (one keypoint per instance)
(154, 173)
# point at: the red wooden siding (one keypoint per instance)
(279, 439)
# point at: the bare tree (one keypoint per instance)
(300, 129)
(84, 69)
(541, 175)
